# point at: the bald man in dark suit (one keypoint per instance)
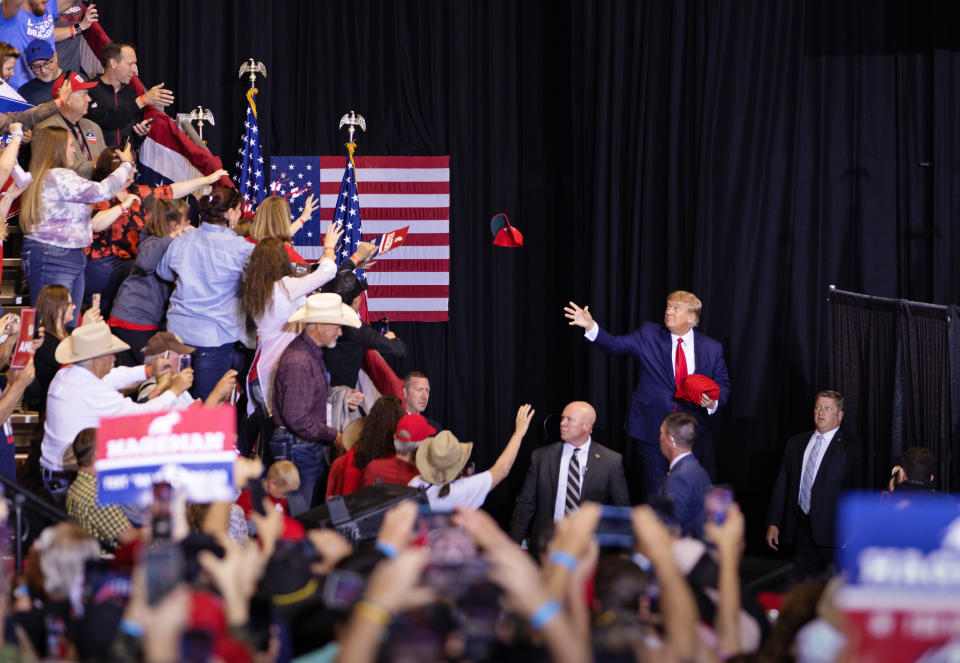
(565, 474)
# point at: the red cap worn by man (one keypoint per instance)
(412, 429)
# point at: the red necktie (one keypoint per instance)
(680, 365)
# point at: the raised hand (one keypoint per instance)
(89, 17)
(215, 176)
(334, 233)
(578, 316)
(310, 205)
(221, 391)
(65, 90)
(158, 96)
(126, 154)
(524, 415)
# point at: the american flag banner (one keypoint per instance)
(251, 178)
(412, 282)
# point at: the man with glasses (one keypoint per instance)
(87, 136)
(41, 56)
(22, 21)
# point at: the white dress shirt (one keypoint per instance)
(583, 453)
(592, 333)
(827, 438)
(78, 399)
(673, 463)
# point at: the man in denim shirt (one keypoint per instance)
(300, 390)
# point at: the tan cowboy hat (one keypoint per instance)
(326, 307)
(352, 433)
(441, 458)
(89, 341)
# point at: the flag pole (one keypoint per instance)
(352, 120)
(201, 115)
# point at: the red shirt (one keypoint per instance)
(245, 502)
(345, 477)
(389, 470)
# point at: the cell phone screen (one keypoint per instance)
(615, 529)
(164, 570)
(184, 362)
(160, 513)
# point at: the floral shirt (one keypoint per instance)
(66, 199)
(123, 235)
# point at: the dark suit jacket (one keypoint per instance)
(839, 471)
(603, 482)
(684, 488)
(653, 398)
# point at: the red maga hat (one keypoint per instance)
(503, 233)
(695, 386)
(414, 428)
(77, 83)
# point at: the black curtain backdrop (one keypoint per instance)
(750, 151)
(891, 361)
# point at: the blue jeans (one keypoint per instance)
(311, 461)
(45, 264)
(209, 365)
(104, 276)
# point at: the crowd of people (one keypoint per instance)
(140, 311)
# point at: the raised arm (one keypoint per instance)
(504, 463)
(76, 189)
(186, 187)
(9, 8)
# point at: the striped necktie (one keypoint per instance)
(573, 485)
(807, 484)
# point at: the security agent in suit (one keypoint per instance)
(550, 489)
(655, 347)
(817, 467)
(680, 498)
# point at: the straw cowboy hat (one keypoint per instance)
(87, 342)
(352, 433)
(326, 307)
(441, 458)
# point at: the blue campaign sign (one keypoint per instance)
(907, 543)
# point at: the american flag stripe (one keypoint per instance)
(384, 278)
(405, 187)
(412, 282)
(398, 213)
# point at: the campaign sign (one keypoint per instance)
(193, 449)
(24, 350)
(902, 565)
(390, 241)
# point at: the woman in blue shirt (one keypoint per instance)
(207, 266)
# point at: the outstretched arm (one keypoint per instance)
(501, 468)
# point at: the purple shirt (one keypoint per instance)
(300, 391)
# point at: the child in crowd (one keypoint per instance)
(282, 478)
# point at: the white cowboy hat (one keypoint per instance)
(441, 458)
(89, 341)
(326, 307)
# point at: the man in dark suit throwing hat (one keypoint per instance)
(667, 355)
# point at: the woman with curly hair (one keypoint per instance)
(375, 441)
